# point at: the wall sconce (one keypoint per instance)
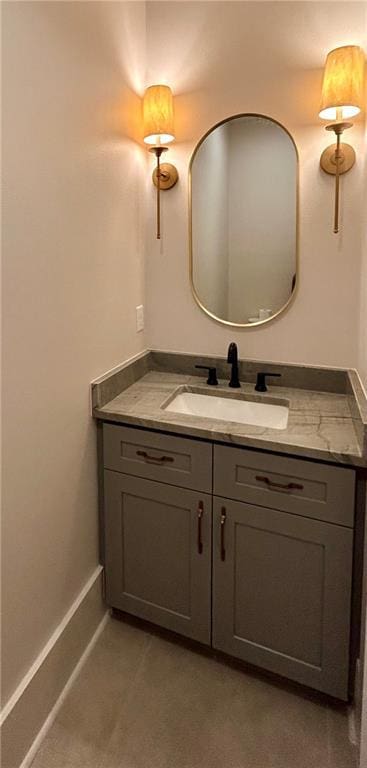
(342, 97)
(159, 130)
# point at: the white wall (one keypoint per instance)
(72, 276)
(262, 205)
(210, 222)
(224, 58)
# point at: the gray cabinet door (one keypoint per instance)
(158, 553)
(281, 593)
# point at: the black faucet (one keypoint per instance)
(232, 358)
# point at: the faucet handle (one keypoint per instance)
(261, 380)
(212, 374)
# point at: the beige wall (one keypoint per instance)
(362, 349)
(362, 367)
(228, 57)
(73, 235)
(72, 276)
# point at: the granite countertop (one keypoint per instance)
(320, 424)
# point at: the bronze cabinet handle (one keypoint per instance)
(286, 487)
(155, 459)
(223, 518)
(200, 517)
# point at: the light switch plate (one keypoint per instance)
(140, 318)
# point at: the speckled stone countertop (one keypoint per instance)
(321, 425)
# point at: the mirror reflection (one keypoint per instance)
(243, 227)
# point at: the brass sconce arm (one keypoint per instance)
(336, 160)
(164, 177)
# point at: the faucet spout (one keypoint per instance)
(232, 359)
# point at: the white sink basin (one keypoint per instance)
(229, 408)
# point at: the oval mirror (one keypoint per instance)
(243, 184)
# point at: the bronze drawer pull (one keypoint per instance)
(223, 518)
(154, 459)
(271, 484)
(200, 517)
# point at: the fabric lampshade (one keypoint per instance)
(342, 87)
(158, 115)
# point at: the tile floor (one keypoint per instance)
(143, 701)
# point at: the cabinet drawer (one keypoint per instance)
(173, 460)
(303, 488)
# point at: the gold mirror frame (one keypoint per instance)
(191, 264)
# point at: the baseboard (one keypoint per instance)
(352, 726)
(356, 706)
(32, 708)
(50, 719)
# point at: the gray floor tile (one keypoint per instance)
(90, 713)
(188, 711)
(146, 702)
(70, 758)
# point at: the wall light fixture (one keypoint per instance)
(158, 131)
(342, 97)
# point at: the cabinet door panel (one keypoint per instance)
(154, 568)
(281, 596)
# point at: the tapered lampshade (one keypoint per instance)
(158, 115)
(342, 87)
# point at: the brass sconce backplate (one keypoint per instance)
(168, 176)
(346, 160)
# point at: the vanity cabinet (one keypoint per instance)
(158, 528)
(249, 552)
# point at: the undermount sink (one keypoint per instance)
(240, 409)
